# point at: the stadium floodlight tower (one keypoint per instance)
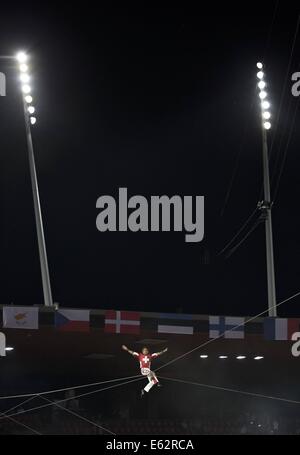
(266, 205)
(30, 120)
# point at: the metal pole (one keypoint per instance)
(267, 206)
(38, 214)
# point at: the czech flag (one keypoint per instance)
(72, 320)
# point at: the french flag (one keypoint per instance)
(122, 322)
(72, 320)
(280, 328)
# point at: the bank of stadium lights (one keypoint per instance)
(240, 357)
(24, 77)
(9, 348)
(22, 58)
(265, 105)
(203, 356)
(258, 357)
(23, 67)
(30, 119)
(223, 356)
(260, 74)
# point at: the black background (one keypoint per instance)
(161, 101)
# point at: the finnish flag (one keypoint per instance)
(228, 326)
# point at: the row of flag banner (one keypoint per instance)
(130, 322)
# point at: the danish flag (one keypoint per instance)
(122, 322)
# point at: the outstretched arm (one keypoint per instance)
(157, 354)
(125, 348)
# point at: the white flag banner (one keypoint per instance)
(178, 329)
(2, 345)
(20, 317)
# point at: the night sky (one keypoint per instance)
(161, 101)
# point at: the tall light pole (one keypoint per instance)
(266, 205)
(30, 119)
